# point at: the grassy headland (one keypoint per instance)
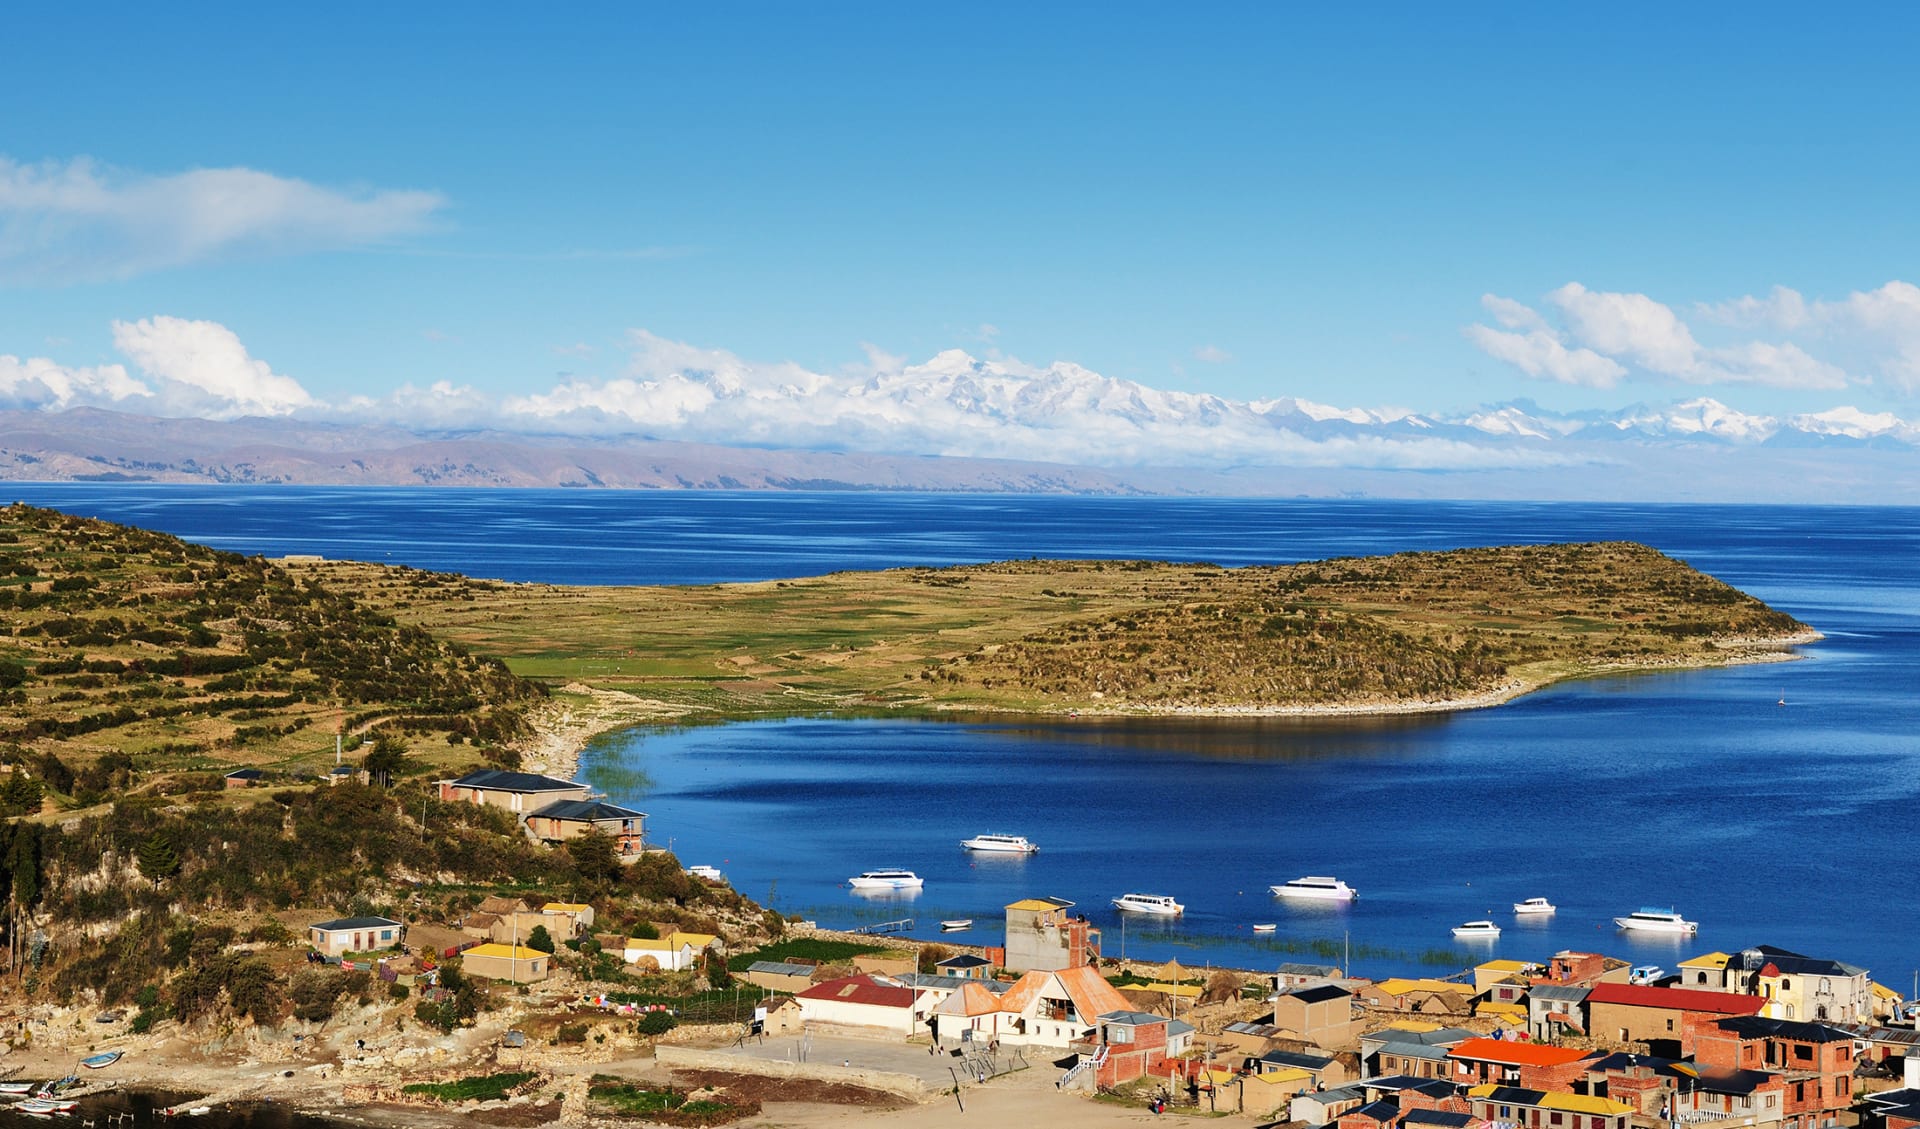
(1380, 633)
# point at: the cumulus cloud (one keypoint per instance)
(1607, 336)
(37, 383)
(203, 369)
(77, 221)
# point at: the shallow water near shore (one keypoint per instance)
(1783, 824)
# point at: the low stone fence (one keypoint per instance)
(695, 1058)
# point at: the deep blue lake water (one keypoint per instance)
(1791, 825)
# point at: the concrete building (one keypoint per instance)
(517, 792)
(1663, 1018)
(1513, 1062)
(561, 820)
(1044, 935)
(355, 935)
(779, 976)
(1321, 1015)
(1554, 1010)
(1537, 1109)
(861, 1005)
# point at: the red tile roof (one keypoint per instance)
(861, 990)
(1513, 1053)
(1676, 999)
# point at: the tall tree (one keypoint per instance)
(387, 758)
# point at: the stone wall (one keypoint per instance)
(693, 1058)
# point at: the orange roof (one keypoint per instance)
(972, 999)
(1092, 996)
(1091, 993)
(1514, 1053)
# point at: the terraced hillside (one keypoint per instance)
(124, 651)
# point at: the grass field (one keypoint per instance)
(1108, 636)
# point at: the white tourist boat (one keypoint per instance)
(1651, 919)
(955, 924)
(1000, 844)
(1160, 905)
(1476, 930)
(1318, 887)
(1534, 905)
(887, 878)
(710, 873)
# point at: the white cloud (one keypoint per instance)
(38, 383)
(1781, 309)
(1541, 353)
(205, 370)
(1212, 354)
(76, 221)
(1606, 336)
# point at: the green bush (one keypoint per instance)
(481, 1088)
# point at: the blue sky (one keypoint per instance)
(1252, 201)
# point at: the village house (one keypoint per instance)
(1504, 981)
(1250, 1039)
(780, 976)
(244, 778)
(1316, 1070)
(1663, 1018)
(1418, 996)
(965, 965)
(1658, 1087)
(579, 917)
(355, 935)
(1554, 1010)
(1391, 1100)
(891, 963)
(1129, 1045)
(1816, 1059)
(515, 963)
(1536, 1109)
(1289, 976)
(566, 819)
(1059, 1007)
(665, 954)
(1794, 986)
(1321, 1015)
(1900, 1109)
(1326, 1107)
(1572, 968)
(517, 792)
(1411, 1050)
(1514, 1062)
(963, 1008)
(1043, 935)
(861, 1005)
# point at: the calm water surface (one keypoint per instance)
(1791, 825)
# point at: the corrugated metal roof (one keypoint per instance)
(501, 780)
(780, 968)
(344, 924)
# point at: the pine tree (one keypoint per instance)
(157, 857)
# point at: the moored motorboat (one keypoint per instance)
(955, 924)
(16, 1089)
(47, 1105)
(1000, 844)
(1476, 930)
(886, 878)
(1160, 905)
(1318, 887)
(1652, 919)
(1534, 905)
(1264, 928)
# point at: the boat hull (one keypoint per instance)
(1149, 908)
(1525, 909)
(1000, 846)
(885, 883)
(1313, 893)
(1642, 926)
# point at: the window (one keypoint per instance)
(1786, 985)
(1554, 1118)
(1119, 1034)
(1802, 1051)
(1669, 1024)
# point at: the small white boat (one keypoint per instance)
(16, 1089)
(1263, 928)
(954, 925)
(1534, 905)
(46, 1105)
(1318, 887)
(1476, 930)
(1160, 905)
(887, 878)
(105, 1058)
(1000, 844)
(1652, 919)
(1646, 974)
(710, 873)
